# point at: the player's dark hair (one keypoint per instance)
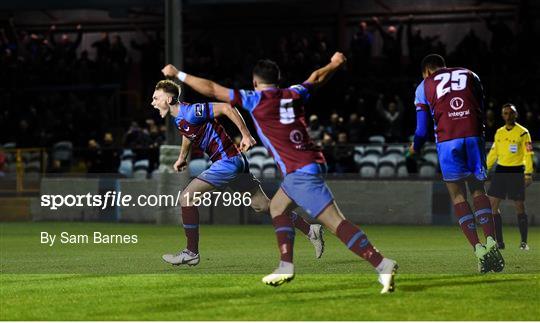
(432, 62)
(267, 71)
(511, 106)
(170, 87)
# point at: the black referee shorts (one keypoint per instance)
(508, 182)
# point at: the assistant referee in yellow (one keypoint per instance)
(512, 150)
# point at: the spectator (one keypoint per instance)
(361, 45)
(392, 118)
(102, 46)
(315, 129)
(336, 125)
(344, 161)
(328, 148)
(110, 154)
(391, 45)
(65, 50)
(356, 128)
(117, 51)
(93, 160)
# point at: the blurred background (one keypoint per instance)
(77, 77)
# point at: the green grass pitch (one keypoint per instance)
(437, 278)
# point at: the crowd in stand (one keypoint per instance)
(52, 90)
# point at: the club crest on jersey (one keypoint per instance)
(199, 110)
(296, 136)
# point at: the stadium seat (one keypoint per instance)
(63, 151)
(257, 160)
(269, 168)
(140, 169)
(432, 157)
(429, 148)
(197, 166)
(128, 154)
(374, 150)
(395, 150)
(368, 166)
(387, 167)
(377, 139)
(156, 174)
(126, 168)
(427, 170)
(257, 151)
(255, 169)
(358, 152)
(401, 169)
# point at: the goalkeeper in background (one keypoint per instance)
(512, 150)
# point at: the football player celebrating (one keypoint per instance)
(279, 117)
(197, 124)
(454, 98)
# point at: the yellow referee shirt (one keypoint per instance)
(512, 148)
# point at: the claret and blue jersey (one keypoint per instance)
(196, 122)
(454, 99)
(279, 117)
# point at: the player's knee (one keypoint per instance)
(476, 187)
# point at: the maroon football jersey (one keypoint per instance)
(455, 99)
(279, 117)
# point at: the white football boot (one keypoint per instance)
(316, 238)
(387, 270)
(184, 257)
(283, 274)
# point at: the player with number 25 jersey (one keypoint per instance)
(454, 98)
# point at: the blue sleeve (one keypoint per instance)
(420, 100)
(303, 90)
(421, 133)
(199, 113)
(245, 99)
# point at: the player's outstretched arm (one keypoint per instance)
(232, 113)
(323, 74)
(203, 86)
(181, 162)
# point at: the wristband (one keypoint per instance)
(181, 76)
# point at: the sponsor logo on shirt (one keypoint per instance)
(456, 103)
(459, 114)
